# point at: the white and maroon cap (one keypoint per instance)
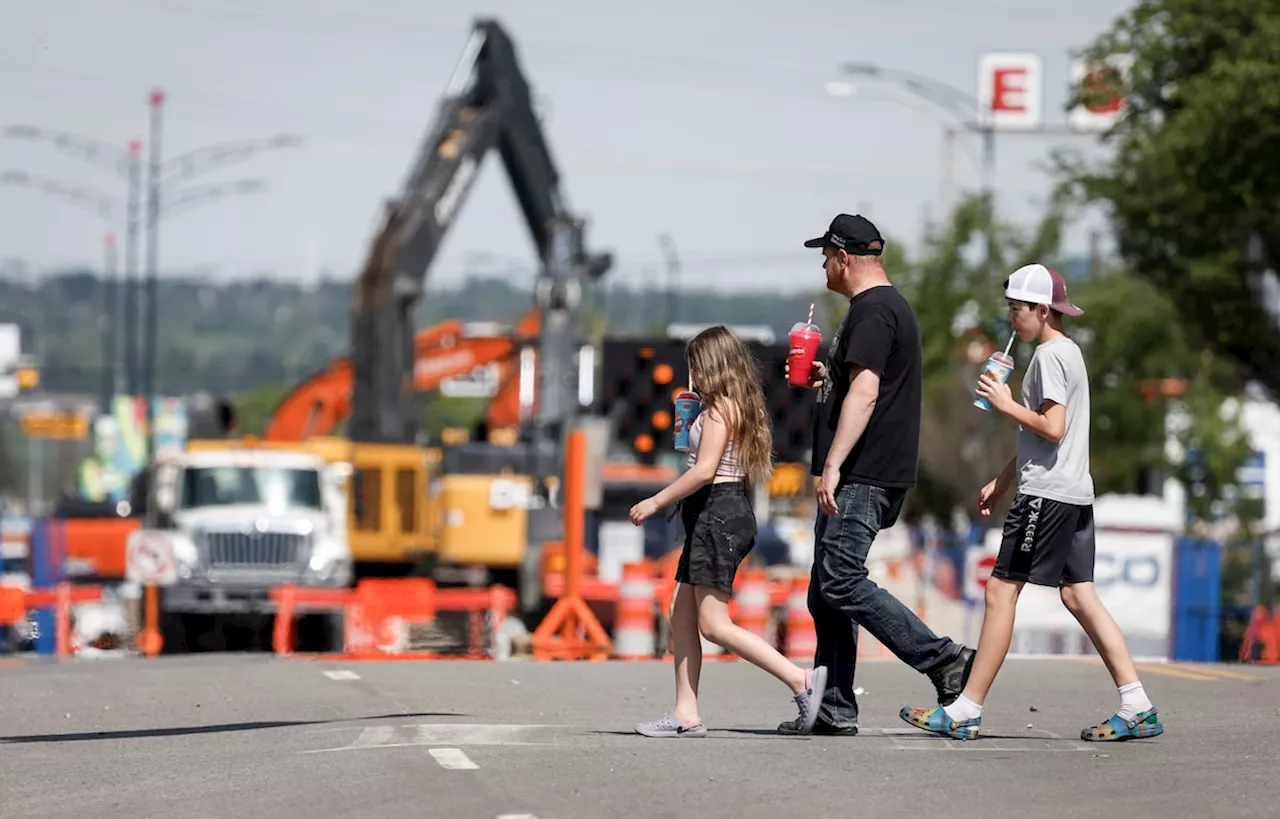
(1037, 284)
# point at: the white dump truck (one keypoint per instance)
(233, 523)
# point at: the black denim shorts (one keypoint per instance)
(719, 532)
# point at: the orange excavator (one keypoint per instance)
(321, 403)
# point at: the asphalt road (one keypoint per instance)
(257, 736)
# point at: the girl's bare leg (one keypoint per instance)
(714, 623)
(687, 652)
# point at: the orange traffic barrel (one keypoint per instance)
(753, 602)
(802, 637)
(633, 634)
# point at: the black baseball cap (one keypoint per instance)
(852, 234)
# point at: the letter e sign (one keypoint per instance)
(1010, 91)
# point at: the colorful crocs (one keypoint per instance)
(1115, 729)
(935, 720)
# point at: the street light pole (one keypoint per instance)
(153, 250)
(120, 163)
(673, 278)
(128, 164)
(133, 220)
(109, 314)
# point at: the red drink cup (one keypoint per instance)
(805, 340)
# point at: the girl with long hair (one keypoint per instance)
(730, 451)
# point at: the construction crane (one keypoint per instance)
(488, 104)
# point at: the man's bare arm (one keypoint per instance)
(855, 412)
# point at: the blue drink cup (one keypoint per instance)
(1000, 367)
(687, 407)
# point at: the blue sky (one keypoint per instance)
(713, 128)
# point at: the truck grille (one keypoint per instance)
(273, 551)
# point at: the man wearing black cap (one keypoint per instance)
(865, 443)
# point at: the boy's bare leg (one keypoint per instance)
(993, 643)
(1081, 599)
(993, 647)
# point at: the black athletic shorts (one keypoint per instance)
(1047, 543)
(719, 532)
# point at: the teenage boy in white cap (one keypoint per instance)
(1048, 534)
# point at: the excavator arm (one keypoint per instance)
(487, 105)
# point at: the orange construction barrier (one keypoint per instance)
(802, 637)
(570, 630)
(1272, 652)
(379, 621)
(376, 614)
(15, 602)
(496, 601)
(96, 546)
(290, 599)
(633, 631)
(1261, 644)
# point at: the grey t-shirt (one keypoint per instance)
(1060, 471)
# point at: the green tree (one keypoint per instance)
(443, 411)
(1135, 348)
(1193, 187)
(253, 408)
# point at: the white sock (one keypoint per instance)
(963, 709)
(1133, 700)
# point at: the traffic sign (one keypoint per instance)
(1102, 89)
(149, 558)
(66, 426)
(1251, 478)
(977, 570)
(985, 566)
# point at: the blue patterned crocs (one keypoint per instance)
(936, 721)
(1116, 728)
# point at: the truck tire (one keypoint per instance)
(173, 632)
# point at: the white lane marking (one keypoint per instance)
(342, 675)
(373, 737)
(449, 734)
(917, 740)
(461, 733)
(453, 759)
(517, 816)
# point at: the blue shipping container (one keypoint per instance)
(1197, 600)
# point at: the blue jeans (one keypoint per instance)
(842, 597)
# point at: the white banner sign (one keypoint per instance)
(1010, 90)
(482, 382)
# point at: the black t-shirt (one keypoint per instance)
(878, 333)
